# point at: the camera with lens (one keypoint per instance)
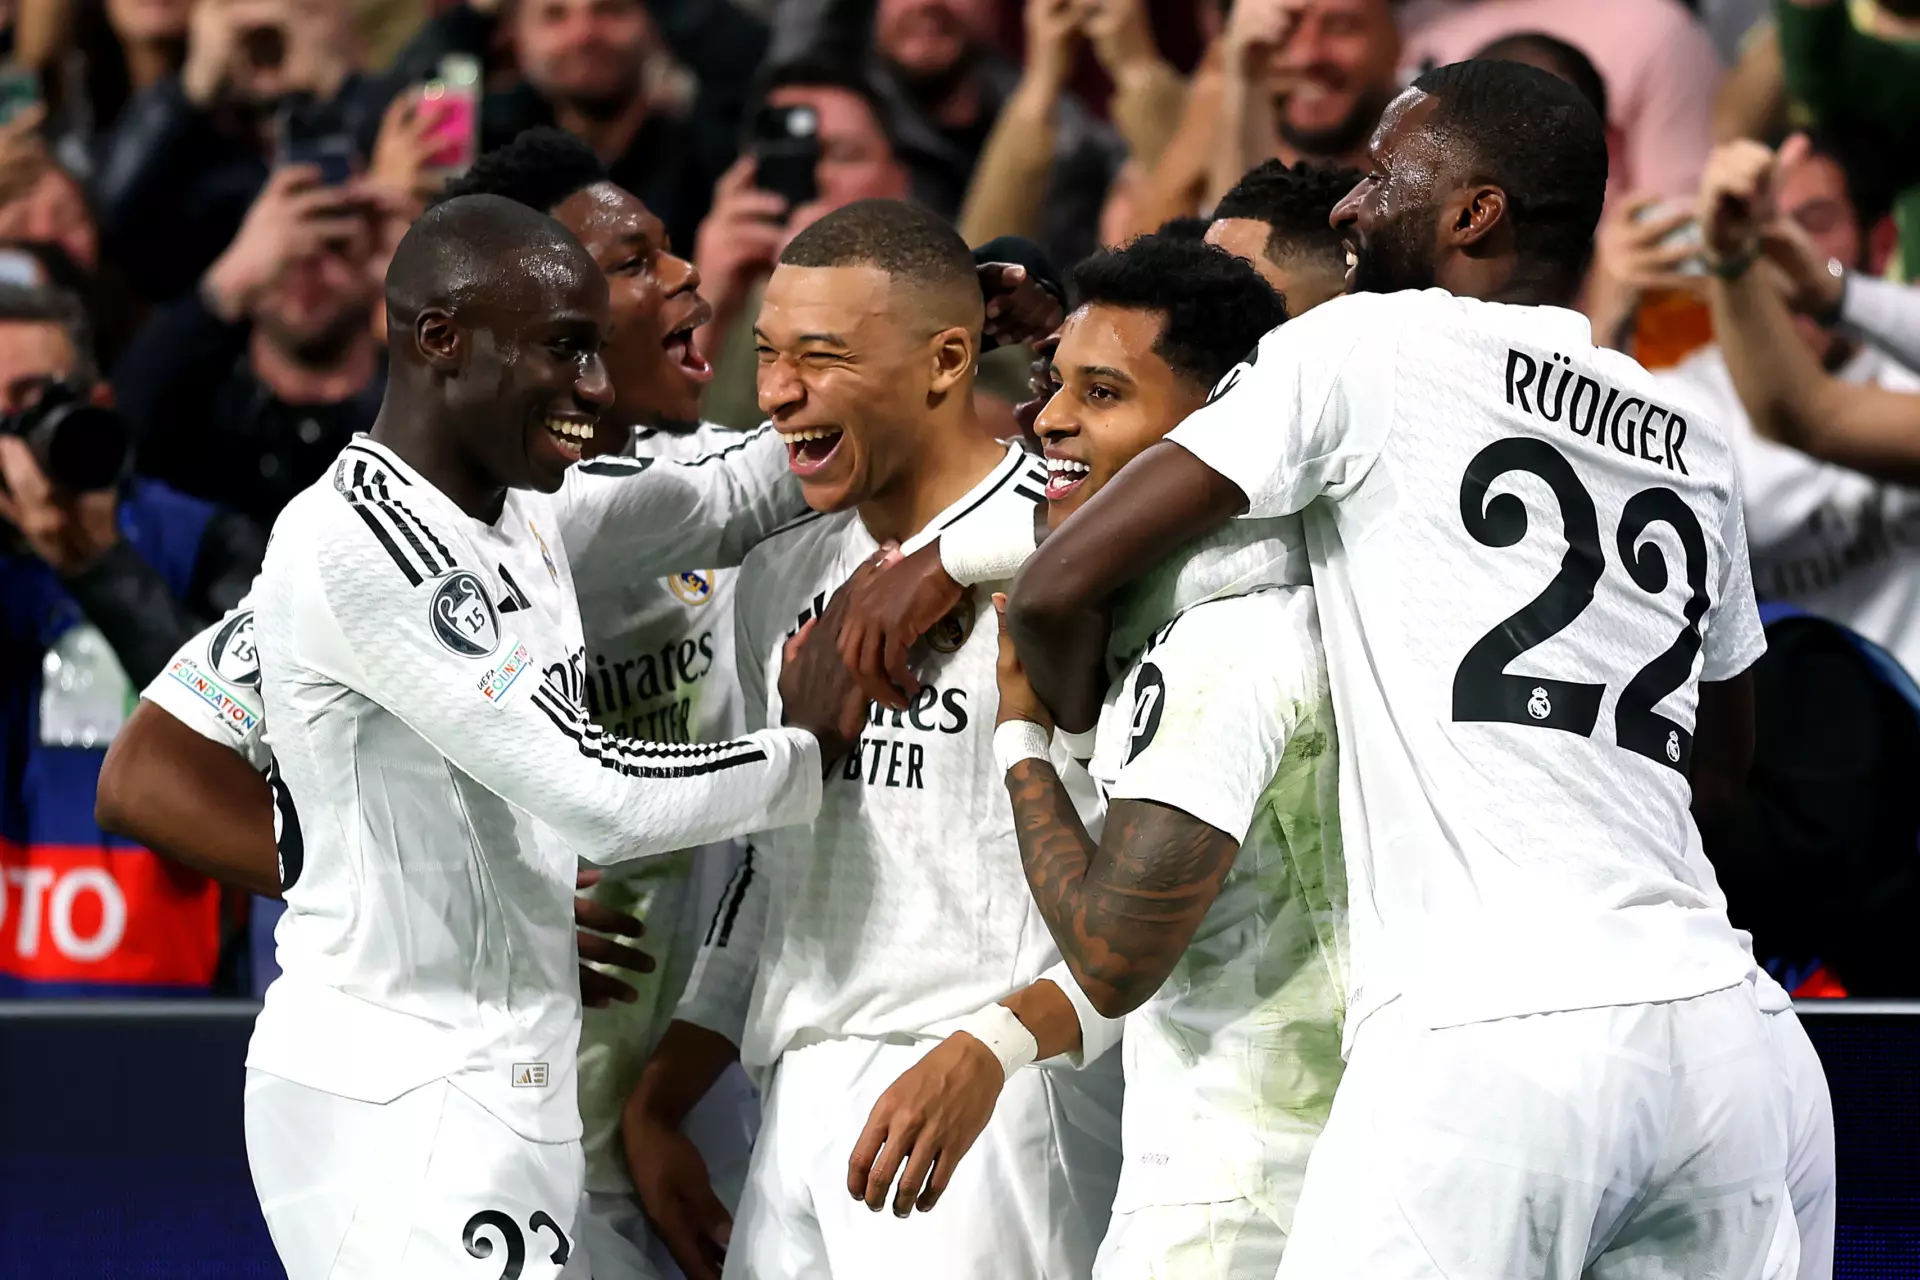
(81, 446)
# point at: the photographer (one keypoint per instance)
(98, 585)
(244, 391)
(192, 152)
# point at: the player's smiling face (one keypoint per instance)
(1116, 397)
(1389, 220)
(658, 372)
(846, 376)
(535, 385)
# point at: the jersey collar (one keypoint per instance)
(1005, 474)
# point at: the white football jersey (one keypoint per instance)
(659, 667)
(1525, 560)
(435, 773)
(1231, 1065)
(1833, 541)
(902, 907)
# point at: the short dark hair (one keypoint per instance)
(540, 168)
(465, 250)
(1185, 227)
(1295, 201)
(1535, 137)
(1573, 66)
(29, 304)
(907, 241)
(1214, 307)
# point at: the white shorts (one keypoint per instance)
(1029, 1202)
(420, 1187)
(1620, 1143)
(1226, 1240)
(1810, 1176)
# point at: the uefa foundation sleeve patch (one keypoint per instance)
(500, 678)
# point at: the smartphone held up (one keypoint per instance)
(786, 151)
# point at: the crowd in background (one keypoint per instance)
(198, 199)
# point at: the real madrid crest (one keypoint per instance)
(694, 586)
(948, 634)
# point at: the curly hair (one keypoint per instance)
(1214, 307)
(541, 168)
(1294, 201)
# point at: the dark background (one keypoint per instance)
(121, 1152)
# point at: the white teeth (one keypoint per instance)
(1065, 466)
(798, 437)
(1353, 259)
(572, 430)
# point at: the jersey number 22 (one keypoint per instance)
(1482, 688)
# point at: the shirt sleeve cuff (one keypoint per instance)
(1097, 1032)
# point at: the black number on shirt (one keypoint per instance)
(480, 1246)
(287, 840)
(1637, 726)
(1482, 689)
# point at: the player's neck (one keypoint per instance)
(1504, 279)
(950, 461)
(430, 451)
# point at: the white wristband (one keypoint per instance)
(1079, 745)
(1005, 1036)
(980, 550)
(1018, 740)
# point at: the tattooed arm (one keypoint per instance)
(1122, 912)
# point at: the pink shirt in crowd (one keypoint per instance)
(1658, 63)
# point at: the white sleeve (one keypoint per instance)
(650, 517)
(1732, 638)
(749, 662)
(1279, 424)
(1098, 1033)
(1885, 313)
(333, 608)
(212, 685)
(1214, 702)
(719, 991)
(989, 544)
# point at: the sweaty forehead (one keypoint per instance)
(838, 300)
(547, 279)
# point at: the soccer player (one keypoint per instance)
(898, 916)
(1532, 581)
(1276, 217)
(1210, 911)
(410, 1092)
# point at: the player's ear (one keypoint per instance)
(1474, 214)
(953, 352)
(440, 340)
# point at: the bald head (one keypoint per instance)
(919, 251)
(483, 251)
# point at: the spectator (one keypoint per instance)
(96, 591)
(944, 85)
(193, 151)
(244, 391)
(92, 58)
(1860, 83)
(1659, 65)
(1279, 219)
(1286, 79)
(601, 69)
(742, 237)
(1012, 183)
(1302, 82)
(1828, 539)
(40, 201)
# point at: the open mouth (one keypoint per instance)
(810, 450)
(1353, 260)
(1064, 475)
(569, 436)
(684, 352)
